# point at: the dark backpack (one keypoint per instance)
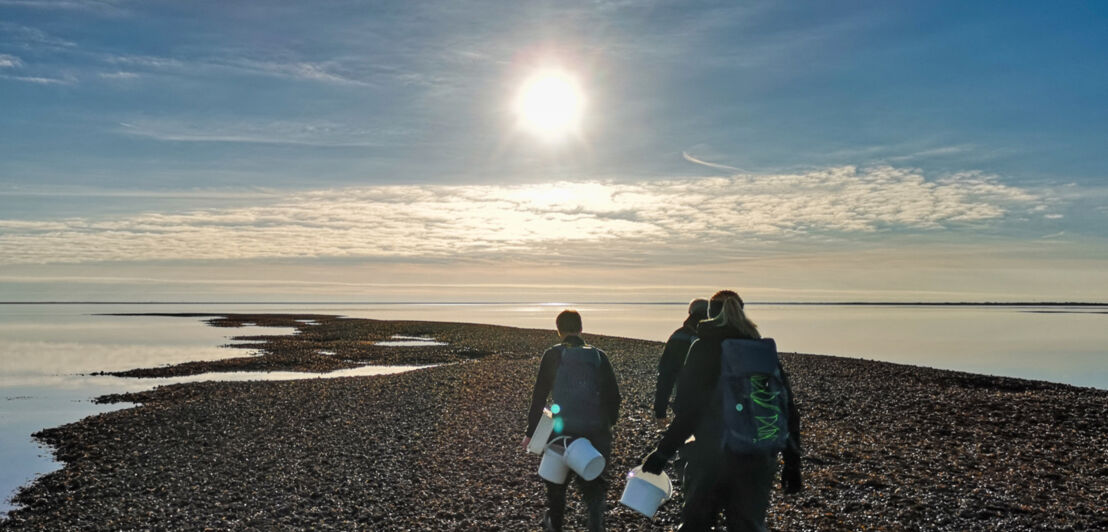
(577, 406)
(755, 400)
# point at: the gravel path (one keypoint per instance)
(888, 447)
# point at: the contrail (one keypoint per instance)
(694, 160)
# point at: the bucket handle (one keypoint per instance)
(565, 445)
(669, 483)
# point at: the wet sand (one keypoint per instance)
(888, 447)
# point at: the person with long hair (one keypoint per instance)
(717, 479)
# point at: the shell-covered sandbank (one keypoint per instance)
(888, 447)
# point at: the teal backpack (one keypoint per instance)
(755, 399)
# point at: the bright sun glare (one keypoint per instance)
(550, 104)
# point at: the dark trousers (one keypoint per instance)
(738, 485)
(682, 460)
(593, 492)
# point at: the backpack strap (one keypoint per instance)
(595, 351)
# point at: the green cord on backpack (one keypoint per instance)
(755, 400)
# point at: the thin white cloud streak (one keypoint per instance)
(146, 61)
(119, 75)
(100, 7)
(217, 62)
(325, 72)
(905, 152)
(87, 192)
(683, 38)
(933, 152)
(39, 80)
(623, 220)
(302, 70)
(688, 157)
(14, 63)
(28, 38)
(324, 134)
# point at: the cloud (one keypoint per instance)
(620, 221)
(318, 133)
(13, 62)
(214, 60)
(701, 162)
(10, 61)
(98, 6)
(118, 75)
(41, 80)
(31, 38)
(913, 152)
(330, 72)
(146, 61)
(942, 151)
(303, 70)
(56, 191)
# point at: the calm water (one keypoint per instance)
(45, 350)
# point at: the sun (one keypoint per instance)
(550, 104)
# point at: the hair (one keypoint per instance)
(724, 294)
(726, 310)
(568, 321)
(698, 308)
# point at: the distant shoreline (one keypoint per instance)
(797, 303)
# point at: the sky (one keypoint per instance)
(377, 151)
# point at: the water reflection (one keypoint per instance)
(398, 340)
(243, 376)
(50, 357)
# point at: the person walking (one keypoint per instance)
(673, 359)
(729, 470)
(586, 404)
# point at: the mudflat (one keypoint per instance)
(887, 446)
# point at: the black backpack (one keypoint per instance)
(755, 399)
(577, 406)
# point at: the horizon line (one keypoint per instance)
(550, 303)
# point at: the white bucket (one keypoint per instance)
(645, 492)
(584, 459)
(542, 433)
(553, 466)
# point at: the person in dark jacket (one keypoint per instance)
(716, 479)
(593, 492)
(673, 359)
